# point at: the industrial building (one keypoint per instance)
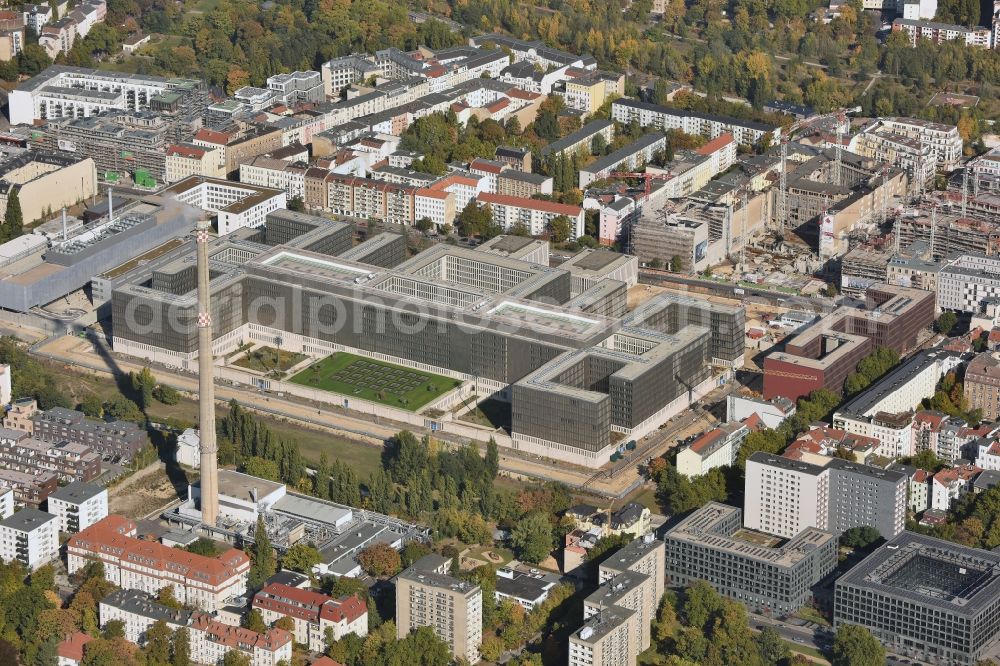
(928, 599)
(765, 573)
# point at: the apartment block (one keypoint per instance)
(6, 502)
(533, 214)
(745, 132)
(78, 505)
(313, 613)
(31, 537)
(131, 563)
(715, 448)
(425, 597)
(608, 638)
(765, 573)
(117, 438)
(785, 496)
(628, 158)
(69, 461)
(936, 33)
(210, 639)
(187, 159)
(30, 489)
(579, 141)
(943, 140)
(982, 384)
(514, 183)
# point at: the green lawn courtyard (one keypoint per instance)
(377, 381)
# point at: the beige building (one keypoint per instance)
(426, 596)
(982, 385)
(618, 614)
(46, 182)
(244, 149)
(188, 159)
(606, 639)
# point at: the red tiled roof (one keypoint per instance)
(211, 136)
(308, 605)
(754, 422)
(921, 476)
(715, 144)
(483, 165)
(454, 179)
(432, 193)
(502, 103)
(326, 661)
(706, 439)
(72, 647)
(186, 151)
(239, 637)
(115, 536)
(931, 419)
(531, 204)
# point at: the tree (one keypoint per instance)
(676, 264)
(13, 220)
(561, 228)
(166, 597)
(262, 468)
(655, 263)
(255, 621)
(143, 383)
(532, 537)
(262, 561)
(235, 658)
(114, 629)
(413, 551)
(121, 408)
(598, 145)
(773, 649)
(424, 224)
(380, 560)
(286, 623)
(855, 646)
(492, 459)
(296, 204)
(182, 648)
(301, 557)
(945, 323)
(203, 546)
(92, 406)
(168, 395)
(157, 646)
(860, 537)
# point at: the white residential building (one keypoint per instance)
(313, 613)
(533, 214)
(746, 132)
(203, 582)
(339, 73)
(715, 448)
(893, 431)
(919, 491)
(236, 205)
(784, 497)
(943, 140)
(772, 413)
(988, 456)
(951, 484)
(31, 537)
(210, 639)
(187, 159)
(78, 506)
(965, 283)
(6, 502)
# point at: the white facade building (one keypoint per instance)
(785, 497)
(533, 214)
(745, 132)
(715, 448)
(235, 205)
(31, 537)
(78, 506)
(966, 282)
(6, 502)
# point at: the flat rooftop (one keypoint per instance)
(930, 572)
(705, 528)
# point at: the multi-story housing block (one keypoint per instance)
(535, 215)
(31, 537)
(6, 502)
(425, 597)
(199, 581)
(78, 505)
(187, 159)
(29, 489)
(313, 613)
(715, 448)
(936, 33)
(210, 639)
(69, 461)
(115, 438)
(766, 574)
(339, 73)
(785, 496)
(297, 87)
(744, 132)
(982, 385)
(943, 140)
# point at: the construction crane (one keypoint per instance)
(841, 117)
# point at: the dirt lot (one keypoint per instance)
(147, 490)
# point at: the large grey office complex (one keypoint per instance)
(577, 375)
(763, 572)
(925, 598)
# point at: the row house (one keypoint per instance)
(70, 461)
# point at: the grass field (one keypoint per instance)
(268, 359)
(377, 381)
